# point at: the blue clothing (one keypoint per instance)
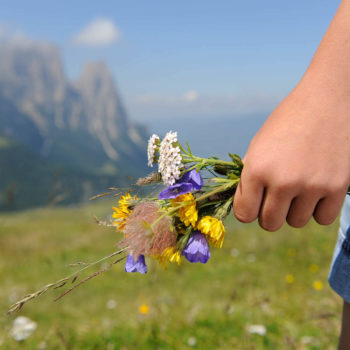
(339, 276)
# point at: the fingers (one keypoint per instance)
(274, 208)
(328, 208)
(255, 198)
(248, 199)
(301, 210)
(274, 204)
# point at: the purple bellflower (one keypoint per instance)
(197, 248)
(175, 190)
(194, 178)
(139, 265)
(190, 181)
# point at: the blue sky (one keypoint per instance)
(179, 58)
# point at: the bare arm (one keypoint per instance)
(298, 164)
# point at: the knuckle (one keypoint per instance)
(326, 187)
(286, 186)
(337, 188)
(323, 189)
(256, 171)
(283, 188)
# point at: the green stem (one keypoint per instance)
(207, 160)
(221, 188)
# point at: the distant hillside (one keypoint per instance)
(61, 141)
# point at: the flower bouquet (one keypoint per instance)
(182, 221)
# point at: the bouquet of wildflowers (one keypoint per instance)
(186, 217)
(182, 221)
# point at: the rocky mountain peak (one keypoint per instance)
(86, 112)
(96, 79)
(74, 138)
(32, 77)
(106, 116)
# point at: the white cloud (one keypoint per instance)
(163, 106)
(99, 32)
(191, 96)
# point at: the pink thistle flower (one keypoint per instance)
(141, 238)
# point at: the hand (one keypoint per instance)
(298, 164)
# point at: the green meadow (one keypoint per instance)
(275, 280)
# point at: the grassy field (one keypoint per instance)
(278, 280)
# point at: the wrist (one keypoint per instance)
(323, 90)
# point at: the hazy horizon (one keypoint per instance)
(190, 57)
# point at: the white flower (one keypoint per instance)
(153, 144)
(170, 159)
(307, 339)
(22, 328)
(257, 329)
(192, 341)
(111, 304)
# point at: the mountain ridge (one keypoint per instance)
(81, 126)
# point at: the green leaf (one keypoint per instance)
(183, 240)
(233, 176)
(236, 159)
(189, 149)
(220, 180)
(182, 149)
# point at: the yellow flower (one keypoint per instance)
(124, 201)
(170, 254)
(144, 309)
(123, 211)
(121, 216)
(188, 214)
(313, 268)
(213, 228)
(290, 278)
(318, 285)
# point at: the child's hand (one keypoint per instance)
(298, 165)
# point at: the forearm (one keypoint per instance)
(298, 164)
(330, 66)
